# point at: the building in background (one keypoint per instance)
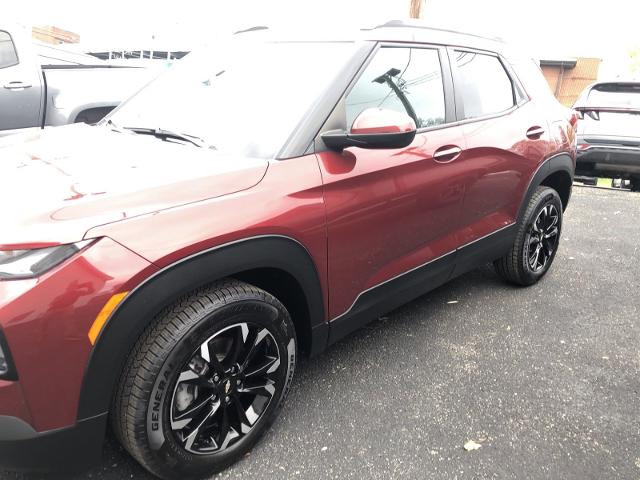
(54, 35)
(568, 77)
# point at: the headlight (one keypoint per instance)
(15, 264)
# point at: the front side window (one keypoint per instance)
(484, 84)
(615, 95)
(8, 54)
(407, 80)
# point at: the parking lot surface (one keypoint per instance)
(545, 379)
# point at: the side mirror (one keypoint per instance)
(374, 128)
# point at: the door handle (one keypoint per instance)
(17, 85)
(534, 133)
(447, 154)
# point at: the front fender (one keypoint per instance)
(139, 308)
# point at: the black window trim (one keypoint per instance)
(15, 50)
(515, 86)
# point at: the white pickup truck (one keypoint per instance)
(36, 91)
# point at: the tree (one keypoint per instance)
(415, 10)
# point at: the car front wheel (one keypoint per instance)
(205, 380)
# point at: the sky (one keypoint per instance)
(546, 28)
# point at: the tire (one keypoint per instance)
(543, 216)
(217, 352)
(635, 184)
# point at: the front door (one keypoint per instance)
(395, 211)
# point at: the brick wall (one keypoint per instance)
(54, 35)
(569, 84)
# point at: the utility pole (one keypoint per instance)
(415, 10)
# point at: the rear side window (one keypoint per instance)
(615, 95)
(485, 86)
(8, 54)
(407, 80)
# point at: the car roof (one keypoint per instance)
(419, 31)
(402, 31)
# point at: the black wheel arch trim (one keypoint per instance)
(135, 313)
(561, 162)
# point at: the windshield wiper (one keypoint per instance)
(166, 134)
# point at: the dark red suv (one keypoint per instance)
(161, 272)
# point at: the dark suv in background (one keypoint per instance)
(609, 131)
(161, 272)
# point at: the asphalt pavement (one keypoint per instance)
(545, 379)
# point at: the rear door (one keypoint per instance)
(20, 88)
(395, 210)
(507, 138)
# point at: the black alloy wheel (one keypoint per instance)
(536, 241)
(542, 238)
(225, 388)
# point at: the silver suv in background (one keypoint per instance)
(35, 92)
(609, 131)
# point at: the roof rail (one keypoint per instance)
(416, 23)
(252, 29)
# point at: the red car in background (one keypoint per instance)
(162, 271)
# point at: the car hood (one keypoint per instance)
(58, 183)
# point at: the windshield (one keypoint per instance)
(622, 96)
(243, 98)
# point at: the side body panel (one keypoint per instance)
(499, 162)
(388, 211)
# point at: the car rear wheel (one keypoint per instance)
(537, 239)
(205, 380)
